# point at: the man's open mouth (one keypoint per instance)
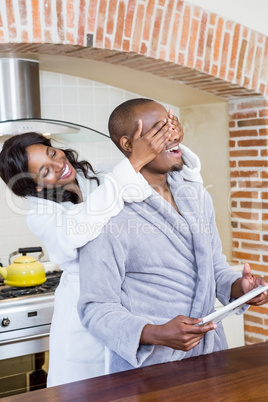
(174, 149)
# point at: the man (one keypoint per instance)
(157, 268)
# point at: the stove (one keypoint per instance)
(11, 292)
(25, 317)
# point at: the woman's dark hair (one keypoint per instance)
(14, 168)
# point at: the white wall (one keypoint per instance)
(251, 13)
(206, 133)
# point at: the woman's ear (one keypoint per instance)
(38, 189)
(126, 144)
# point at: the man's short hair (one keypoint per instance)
(123, 120)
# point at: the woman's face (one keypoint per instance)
(49, 166)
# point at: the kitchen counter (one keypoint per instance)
(238, 374)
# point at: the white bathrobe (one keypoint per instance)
(75, 354)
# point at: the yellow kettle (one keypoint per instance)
(25, 270)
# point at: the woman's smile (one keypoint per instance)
(67, 171)
(49, 166)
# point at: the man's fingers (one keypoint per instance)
(246, 269)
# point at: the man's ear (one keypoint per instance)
(38, 189)
(126, 144)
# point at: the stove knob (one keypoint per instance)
(5, 322)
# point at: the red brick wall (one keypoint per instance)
(249, 197)
(169, 38)
(181, 42)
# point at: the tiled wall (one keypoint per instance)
(74, 99)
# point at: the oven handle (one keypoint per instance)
(25, 338)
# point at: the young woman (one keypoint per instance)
(69, 206)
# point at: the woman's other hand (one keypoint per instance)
(176, 125)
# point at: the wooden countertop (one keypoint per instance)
(237, 375)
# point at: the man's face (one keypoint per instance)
(170, 158)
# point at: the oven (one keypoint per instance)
(25, 319)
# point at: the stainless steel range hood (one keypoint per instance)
(20, 108)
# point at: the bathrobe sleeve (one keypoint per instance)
(100, 308)
(191, 169)
(64, 228)
(225, 276)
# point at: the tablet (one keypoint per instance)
(231, 308)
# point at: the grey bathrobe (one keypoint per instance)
(149, 265)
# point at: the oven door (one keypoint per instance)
(24, 342)
(24, 360)
(23, 374)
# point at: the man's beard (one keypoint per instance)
(177, 167)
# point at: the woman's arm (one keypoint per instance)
(63, 229)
